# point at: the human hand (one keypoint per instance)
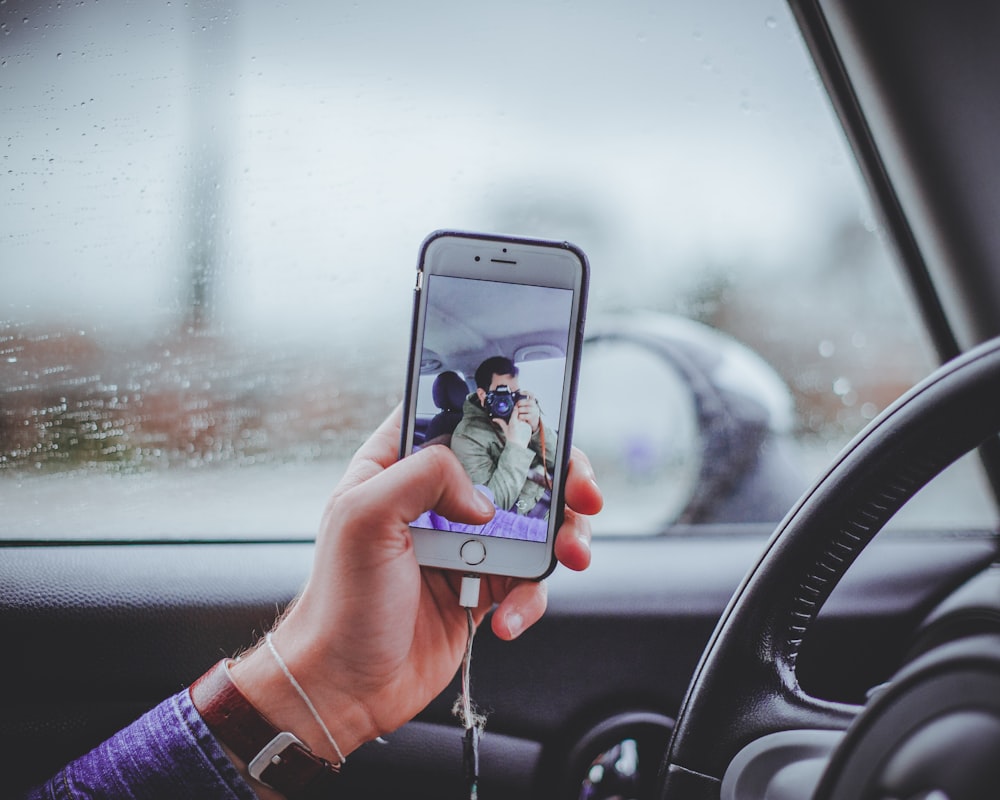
(527, 410)
(374, 637)
(516, 430)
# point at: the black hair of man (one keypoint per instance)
(495, 365)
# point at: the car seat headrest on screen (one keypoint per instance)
(449, 391)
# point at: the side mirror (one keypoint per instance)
(683, 425)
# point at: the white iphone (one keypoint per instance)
(497, 331)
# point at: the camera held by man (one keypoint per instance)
(501, 402)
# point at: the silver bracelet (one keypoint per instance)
(305, 698)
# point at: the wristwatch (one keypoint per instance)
(278, 759)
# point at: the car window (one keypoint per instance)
(211, 215)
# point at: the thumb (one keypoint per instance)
(431, 479)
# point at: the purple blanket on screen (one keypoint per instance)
(505, 524)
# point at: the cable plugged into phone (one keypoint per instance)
(472, 722)
(469, 595)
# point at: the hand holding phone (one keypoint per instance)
(497, 330)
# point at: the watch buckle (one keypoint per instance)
(271, 755)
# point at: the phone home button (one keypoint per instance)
(473, 552)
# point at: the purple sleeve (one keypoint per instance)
(166, 754)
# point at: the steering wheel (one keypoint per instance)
(745, 687)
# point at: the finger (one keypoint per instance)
(384, 443)
(583, 494)
(573, 542)
(429, 479)
(379, 451)
(520, 609)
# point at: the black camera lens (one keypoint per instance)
(503, 406)
(500, 402)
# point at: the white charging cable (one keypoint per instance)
(472, 722)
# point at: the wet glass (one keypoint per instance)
(211, 213)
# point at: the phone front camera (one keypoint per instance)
(477, 258)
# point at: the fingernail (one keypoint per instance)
(481, 502)
(597, 488)
(515, 624)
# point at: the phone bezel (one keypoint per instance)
(538, 262)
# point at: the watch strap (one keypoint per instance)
(275, 758)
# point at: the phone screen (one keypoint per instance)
(497, 327)
(506, 428)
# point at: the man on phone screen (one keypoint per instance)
(502, 443)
